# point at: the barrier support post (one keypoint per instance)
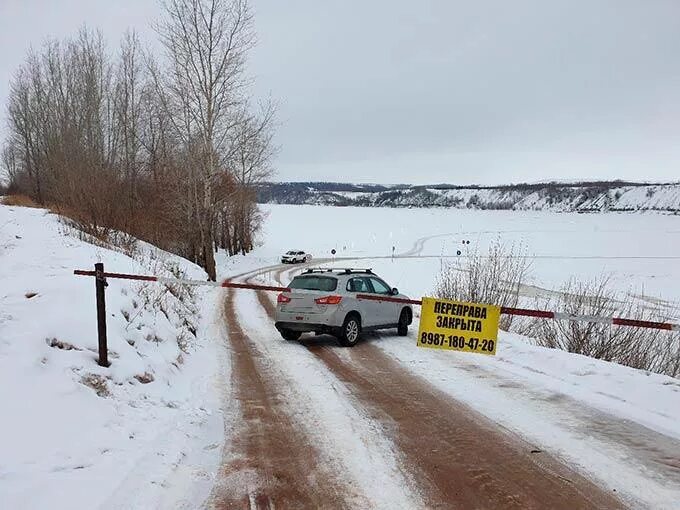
(100, 286)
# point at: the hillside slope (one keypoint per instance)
(582, 197)
(81, 435)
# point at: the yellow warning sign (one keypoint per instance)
(458, 326)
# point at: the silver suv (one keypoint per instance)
(330, 301)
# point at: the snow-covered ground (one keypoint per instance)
(154, 435)
(641, 252)
(142, 433)
(616, 424)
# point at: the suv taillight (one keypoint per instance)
(328, 300)
(282, 299)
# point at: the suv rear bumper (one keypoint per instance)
(306, 327)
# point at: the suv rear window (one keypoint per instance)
(323, 283)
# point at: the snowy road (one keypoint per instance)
(386, 425)
(407, 444)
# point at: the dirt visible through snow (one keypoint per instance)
(272, 464)
(457, 457)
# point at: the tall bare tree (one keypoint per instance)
(250, 160)
(128, 111)
(206, 43)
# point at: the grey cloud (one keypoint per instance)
(459, 91)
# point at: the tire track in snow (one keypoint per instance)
(346, 437)
(459, 457)
(358, 459)
(270, 462)
(617, 440)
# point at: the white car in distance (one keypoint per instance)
(295, 257)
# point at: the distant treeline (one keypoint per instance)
(349, 187)
(576, 196)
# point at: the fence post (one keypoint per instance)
(100, 285)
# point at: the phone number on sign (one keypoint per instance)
(457, 342)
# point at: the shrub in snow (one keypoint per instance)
(495, 277)
(97, 383)
(647, 349)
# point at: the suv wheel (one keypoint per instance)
(288, 334)
(402, 327)
(351, 329)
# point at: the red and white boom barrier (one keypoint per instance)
(545, 314)
(541, 314)
(177, 281)
(617, 321)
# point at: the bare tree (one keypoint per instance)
(11, 167)
(206, 43)
(252, 151)
(128, 111)
(166, 152)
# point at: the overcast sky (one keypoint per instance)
(490, 91)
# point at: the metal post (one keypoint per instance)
(100, 285)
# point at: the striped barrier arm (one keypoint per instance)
(545, 314)
(525, 312)
(177, 281)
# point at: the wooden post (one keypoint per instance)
(100, 285)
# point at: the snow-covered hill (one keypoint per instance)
(77, 435)
(579, 197)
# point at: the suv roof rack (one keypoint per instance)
(341, 270)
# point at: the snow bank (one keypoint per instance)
(76, 433)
